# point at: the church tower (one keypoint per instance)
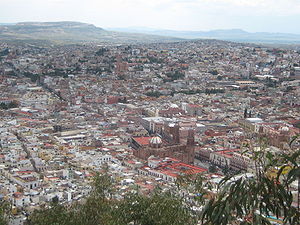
(176, 135)
(191, 138)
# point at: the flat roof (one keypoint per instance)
(254, 120)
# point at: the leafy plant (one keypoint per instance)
(5, 209)
(253, 200)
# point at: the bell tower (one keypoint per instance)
(176, 136)
(190, 146)
(191, 138)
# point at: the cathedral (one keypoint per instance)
(166, 144)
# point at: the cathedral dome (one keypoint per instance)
(155, 141)
(284, 129)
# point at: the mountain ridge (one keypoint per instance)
(72, 32)
(238, 35)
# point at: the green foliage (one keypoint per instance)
(3, 105)
(102, 186)
(4, 52)
(225, 170)
(214, 91)
(289, 88)
(96, 209)
(155, 94)
(271, 83)
(101, 51)
(33, 77)
(60, 72)
(252, 200)
(249, 200)
(10, 105)
(214, 72)
(155, 59)
(160, 208)
(219, 77)
(196, 184)
(297, 125)
(13, 104)
(188, 92)
(174, 76)
(55, 214)
(212, 169)
(4, 212)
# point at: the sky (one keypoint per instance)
(250, 15)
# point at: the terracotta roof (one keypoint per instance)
(142, 140)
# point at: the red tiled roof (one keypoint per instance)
(24, 172)
(142, 140)
(187, 168)
(25, 113)
(174, 169)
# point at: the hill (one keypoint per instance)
(71, 32)
(237, 35)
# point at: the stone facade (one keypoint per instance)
(169, 147)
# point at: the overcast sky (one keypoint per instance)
(250, 15)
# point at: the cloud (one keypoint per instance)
(280, 7)
(262, 15)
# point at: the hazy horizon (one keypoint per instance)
(276, 16)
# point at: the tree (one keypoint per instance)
(33, 77)
(13, 104)
(212, 168)
(4, 212)
(226, 170)
(101, 51)
(214, 72)
(253, 200)
(52, 215)
(96, 209)
(4, 52)
(214, 91)
(174, 76)
(289, 88)
(245, 113)
(3, 106)
(155, 94)
(160, 208)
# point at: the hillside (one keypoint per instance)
(72, 32)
